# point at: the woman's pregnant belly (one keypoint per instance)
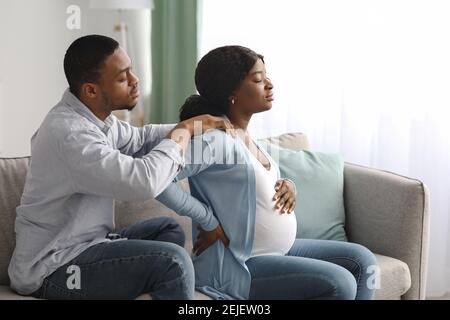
(275, 232)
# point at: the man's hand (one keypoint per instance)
(206, 238)
(284, 196)
(184, 130)
(203, 123)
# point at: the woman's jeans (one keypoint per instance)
(151, 261)
(315, 269)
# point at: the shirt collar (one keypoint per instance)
(70, 99)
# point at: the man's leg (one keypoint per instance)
(124, 269)
(164, 229)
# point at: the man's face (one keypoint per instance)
(118, 84)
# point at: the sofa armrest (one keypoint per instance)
(389, 214)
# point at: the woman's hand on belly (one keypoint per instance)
(284, 196)
(206, 238)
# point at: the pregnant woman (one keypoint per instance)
(242, 210)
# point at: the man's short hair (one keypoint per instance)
(84, 58)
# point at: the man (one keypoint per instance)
(83, 158)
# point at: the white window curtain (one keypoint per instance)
(367, 79)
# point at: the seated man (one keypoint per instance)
(83, 158)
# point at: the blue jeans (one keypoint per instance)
(152, 261)
(314, 269)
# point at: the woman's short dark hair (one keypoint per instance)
(218, 74)
(84, 59)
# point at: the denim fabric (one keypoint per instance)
(314, 269)
(149, 258)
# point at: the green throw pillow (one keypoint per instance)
(319, 178)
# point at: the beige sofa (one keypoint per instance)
(385, 212)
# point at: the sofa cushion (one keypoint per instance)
(12, 179)
(7, 294)
(295, 141)
(319, 178)
(395, 278)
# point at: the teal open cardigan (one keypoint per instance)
(221, 190)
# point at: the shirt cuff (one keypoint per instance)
(212, 223)
(173, 150)
(164, 129)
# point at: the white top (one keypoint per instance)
(275, 233)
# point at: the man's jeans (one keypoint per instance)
(315, 269)
(151, 261)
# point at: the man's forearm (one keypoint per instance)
(164, 129)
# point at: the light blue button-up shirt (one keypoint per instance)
(223, 189)
(79, 165)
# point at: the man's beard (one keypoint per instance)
(129, 108)
(109, 106)
(106, 101)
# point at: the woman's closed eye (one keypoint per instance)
(259, 80)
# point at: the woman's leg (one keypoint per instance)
(351, 256)
(297, 278)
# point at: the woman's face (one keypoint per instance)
(255, 94)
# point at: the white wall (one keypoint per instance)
(34, 39)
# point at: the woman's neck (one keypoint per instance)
(240, 121)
